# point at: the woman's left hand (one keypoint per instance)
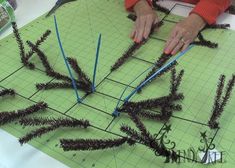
(184, 33)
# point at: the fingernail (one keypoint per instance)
(137, 41)
(166, 51)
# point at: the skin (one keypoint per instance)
(181, 35)
(146, 17)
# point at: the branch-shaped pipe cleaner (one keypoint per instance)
(138, 123)
(48, 68)
(150, 142)
(203, 42)
(53, 85)
(159, 7)
(93, 144)
(130, 51)
(50, 72)
(6, 92)
(228, 93)
(132, 17)
(35, 121)
(151, 103)
(25, 57)
(231, 9)
(7, 117)
(133, 48)
(220, 102)
(55, 124)
(62, 85)
(132, 133)
(21, 46)
(153, 116)
(175, 81)
(165, 103)
(219, 92)
(217, 26)
(81, 75)
(159, 63)
(38, 43)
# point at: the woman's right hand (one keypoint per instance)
(146, 17)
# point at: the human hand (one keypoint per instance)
(146, 17)
(184, 33)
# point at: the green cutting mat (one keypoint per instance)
(80, 24)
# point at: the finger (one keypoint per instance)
(185, 46)
(173, 34)
(148, 27)
(156, 20)
(177, 48)
(172, 44)
(140, 30)
(132, 35)
(136, 28)
(170, 38)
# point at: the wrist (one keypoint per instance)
(140, 5)
(199, 22)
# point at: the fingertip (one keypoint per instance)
(166, 51)
(136, 40)
(173, 53)
(136, 37)
(185, 47)
(156, 20)
(166, 46)
(139, 38)
(145, 36)
(133, 33)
